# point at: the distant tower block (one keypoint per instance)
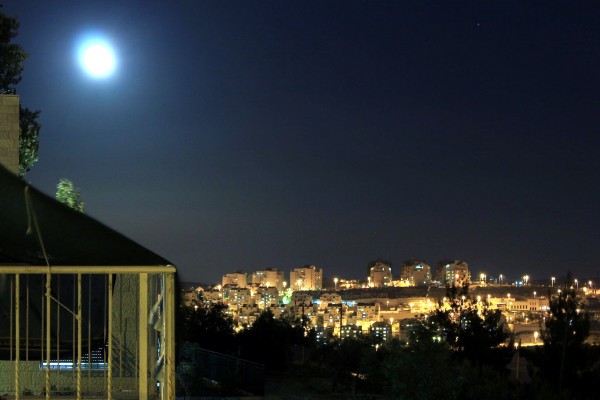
(9, 132)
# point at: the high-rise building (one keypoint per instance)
(350, 331)
(308, 277)
(381, 330)
(268, 277)
(455, 272)
(380, 273)
(416, 272)
(239, 279)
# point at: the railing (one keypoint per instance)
(231, 373)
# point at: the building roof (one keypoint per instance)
(70, 238)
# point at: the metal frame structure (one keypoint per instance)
(128, 303)
(156, 363)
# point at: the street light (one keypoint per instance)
(335, 281)
(482, 277)
(500, 278)
(535, 336)
(552, 280)
(576, 283)
(526, 279)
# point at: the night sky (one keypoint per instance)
(251, 134)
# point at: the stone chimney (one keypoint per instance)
(9, 132)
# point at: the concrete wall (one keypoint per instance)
(9, 132)
(125, 326)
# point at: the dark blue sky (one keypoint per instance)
(252, 134)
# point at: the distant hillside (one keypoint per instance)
(192, 285)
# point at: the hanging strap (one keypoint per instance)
(32, 223)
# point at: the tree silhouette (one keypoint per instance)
(207, 325)
(12, 57)
(565, 355)
(268, 341)
(472, 328)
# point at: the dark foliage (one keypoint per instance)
(11, 55)
(471, 328)
(269, 340)
(28, 139)
(207, 325)
(565, 362)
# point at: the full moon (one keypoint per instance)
(98, 60)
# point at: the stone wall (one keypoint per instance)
(9, 132)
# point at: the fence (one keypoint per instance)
(231, 374)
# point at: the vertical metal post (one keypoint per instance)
(73, 319)
(105, 328)
(58, 334)
(48, 320)
(17, 335)
(89, 338)
(10, 339)
(169, 306)
(42, 332)
(78, 336)
(27, 321)
(27, 331)
(143, 337)
(110, 333)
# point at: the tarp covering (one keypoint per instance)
(71, 238)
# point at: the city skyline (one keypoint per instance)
(251, 134)
(260, 277)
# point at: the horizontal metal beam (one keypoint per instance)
(86, 269)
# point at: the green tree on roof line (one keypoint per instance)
(68, 194)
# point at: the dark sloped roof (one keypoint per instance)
(70, 237)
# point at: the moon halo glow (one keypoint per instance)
(97, 58)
